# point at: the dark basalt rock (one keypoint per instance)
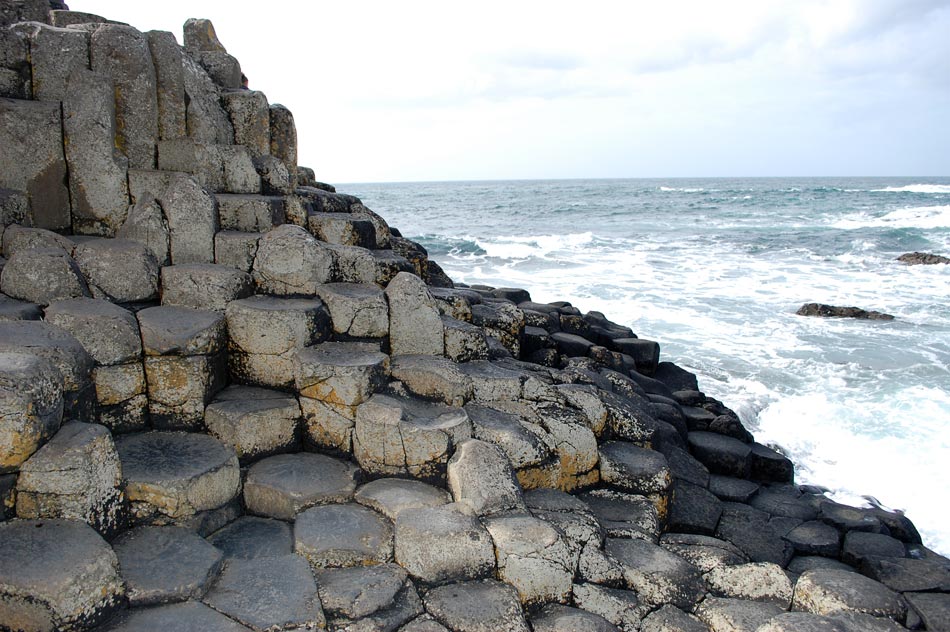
(832, 311)
(922, 258)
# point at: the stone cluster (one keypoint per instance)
(234, 399)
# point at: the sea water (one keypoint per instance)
(714, 270)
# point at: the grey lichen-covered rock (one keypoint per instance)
(16, 238)
(190, 616)
(165, 564)
(443, 544)
(206, 119)
(528, 448)
(464, 342)
(619, 607)
(283, 138)
(290, 261)
(271, 593)
(424, 623)
(12, 309)
(255, 422)
(761, 581)
(56, 54)
(76, 476)
(265, 334)
(480, 476)
(183, 331)
(120, 392)
(658, 576)
(534, 557)
(738, 615)
(801, 622)
(492, 382)
(236, 249)
(405, 606)
(672, 619)
(56, 575)
(932, 608)
(251, 537)
(634, 469)
(42, 276)
(218, 168)
(345, 229)
(119, 270)
(433, 378)
(172, 476)
(477, 606)
(414, 322)
(394, 436)
(108, 332)
(357, 310)
(341, 374)
(624, 515)
(250, 213)
(391, 496)
(284, 485)
(558, 618)
(146, 224)
(342, 536)
(169, 84)
(204, 286)
(704, 552)
(31, 406)
(827, 591)
(180, 387)
(250, 117)
(354, 593)
(192, 216)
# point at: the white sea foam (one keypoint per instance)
(916, 188)
(682, 189)
(926, 217)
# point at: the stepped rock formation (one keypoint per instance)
(234, 399)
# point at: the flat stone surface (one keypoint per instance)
(433, 377)
(356, 309)
(623, 515)
(910, 575)
(721, 454)
(425, 623)
(169, 330)
(801, 563)
(108, 332)
(340, 373)
(342, 536)
(271, 325)
(254, 421)
(190, 616)
(736, 615)
(284, 485)
(177, 474)
(826, 591)
(119, 270)
(442, 544)
(55, 344)
(405, 607)
(391, 496)
(859, 622)
(165, 564)
(693, 509)
(291, 261)
(731, 489)
(56, 574)
(619, 607)
(534, 557)
(558, 618)
(750, 530)
(704, 552)
(757, 581)
(815, 538)
(250, 537)
(31, 397)
(480, 606)
(859, 547)
(358, 592)
(268, 593)
(933, 609)
(658, 576)
(634, 469)
(784, 501)
(672, 619)
(800, 622)
(204, 286)
(480, 476)
(42, 276)
(523, 445)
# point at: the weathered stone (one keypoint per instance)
(730, 489)
(619, 607)
(464, 342)
(250, 213)
(180, 387)
(815, 538)
(31, 400)
(42, 276)
(407, 436)
(165, 564)
(633, 469)
(275, 180)
(192, 216)
(268, 593)
(169, 84)
(354, 593)
(800, 622)
(76, 476)
(624, 515)
(282, 486)
(168, 330)
(224, 69)
(345, 229)
(17, 238)
(658, 576)
(122, 52)
(749, 529)
(909, 575)
(283, 138)
(359, 265)
(932, 608)
(524, 444)
(433, 378)
(405, 607)
(534, 557)
(414, 322)
(172, 476)
(98, 182)
(145, 223)
(12, 309)
(204, 286)
(205, 117)
(250, 537)
(575, 443)
(56, 575)
(827, 591)
(693, 509)
(199, 35)
(390, 496)
(119, 270)
(357, 310)
(784, 502)
(441, 544)
(236, 249)
(722, 455)
(342, 536)
(477, 606)
(15, 70)
(558, 618)
(341, 374)
(736, 615)
(803, 563)
(860, 548)
(217, 168)
(492, 382)
(291, 261)
(684, 467)
(328, 426)
(32, 161)
(190, 616)
(754, 582)
(703, 552)
(108, 332)
(672, 619)
(55, 55)
(250, 117)
(766, 464)
(255, 422)
(480, 476)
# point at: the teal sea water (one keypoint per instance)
(714, 269)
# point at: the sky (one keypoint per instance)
(427, 91)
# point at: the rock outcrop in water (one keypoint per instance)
(834, 311)
(922, 258)
(231, 399)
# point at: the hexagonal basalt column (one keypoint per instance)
(357, 310)
(31, 398)
(282, 486)
(407, 436)
(342, 536)
(256, 422)
(442, 544)
(176, 477)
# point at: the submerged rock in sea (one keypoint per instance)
(833, 311)
(922, 258)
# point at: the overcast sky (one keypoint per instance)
(410, 90)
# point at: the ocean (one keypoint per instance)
(714, 270)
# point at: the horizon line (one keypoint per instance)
(487, 180)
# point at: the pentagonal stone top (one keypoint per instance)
(109, 333)
(168, 330)
(268, 593)
(389, 496)
(56, 574)
(180, 473)
(165, 564)
(479, 606)
(343, 535)
(251, 537)
(53, 343)
(719, 613)
(190, 616)
(346, 373)
(272, 325)
(284, 485)
(254, 421)
(358, 592)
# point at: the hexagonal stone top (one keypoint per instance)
(346, 373)
(51, 342)
(389, 496)
(343, 535)
(180, 473)
(633, 468)
(56, 574)
(358, 592)
(480, 606)
(284, 485)
(251, 537)
(190, 616)
(275, 325)
(165, 564)
(168, 330)
(108, 332)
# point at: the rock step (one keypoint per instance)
(284, 485)
(255, 422)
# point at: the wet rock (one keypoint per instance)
(391, 496)
(922, 258)
(480, 606)
(284, 485)
(204, 286)
(342, 536)
(827, 591)
(190, 616)
(658, 576)
(42, 276)
(56, 575)
(165, 564)
(118, 270)
(534, 557)
(833, 311)
(442, 544)
(250, 537)
(558, 618)
(753, 582)
(736, 615)
(31, 397)
(357, 310)
(480, 476)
